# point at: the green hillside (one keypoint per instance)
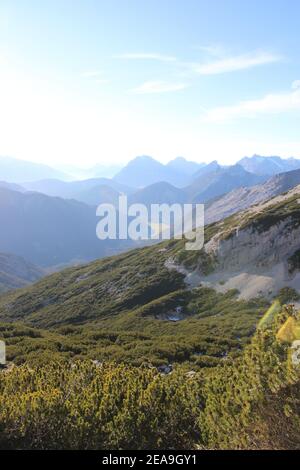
(95, 291)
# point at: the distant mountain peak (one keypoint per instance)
(144, 170)
(143, 159)
(269, 165)
(185, 166)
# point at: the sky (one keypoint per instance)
(86, 82)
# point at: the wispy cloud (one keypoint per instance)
(234, 63)
(220, 65)
(269, 104)
(146, 56)
(158, 86)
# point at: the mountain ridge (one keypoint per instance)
(220, 181)
(244, 197)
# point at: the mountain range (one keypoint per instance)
(269, 165)
(57, 218)
(208, 182)
(143, 171)
(140, 171)
(212, 184)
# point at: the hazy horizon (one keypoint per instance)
(121, 164)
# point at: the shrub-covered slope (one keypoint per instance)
(213, 328)
(248, 403)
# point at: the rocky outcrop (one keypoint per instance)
(250, 247)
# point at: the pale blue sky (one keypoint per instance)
(90, 81)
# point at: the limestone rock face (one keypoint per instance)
(256, 249)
